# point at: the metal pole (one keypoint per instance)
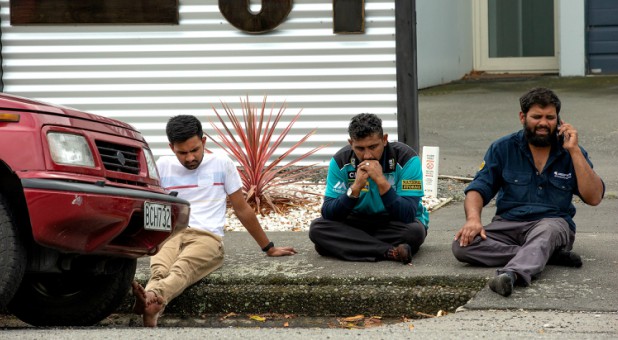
(407, 82)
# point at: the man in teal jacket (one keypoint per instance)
(372, 205)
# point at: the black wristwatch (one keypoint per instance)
(268, 246)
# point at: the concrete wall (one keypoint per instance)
(445, 39)
(572, 35)
(444, 45)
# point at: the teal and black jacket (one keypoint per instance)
(401, 167)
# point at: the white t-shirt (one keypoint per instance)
(206, 188)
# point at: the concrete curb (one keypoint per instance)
(384, 296)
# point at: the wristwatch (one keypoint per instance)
(349, 193)
(268, 246)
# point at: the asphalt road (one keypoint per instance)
(488, 324)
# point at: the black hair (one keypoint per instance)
(364, 125)
(539, 96)
(182, 127)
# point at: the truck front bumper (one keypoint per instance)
(88, 218)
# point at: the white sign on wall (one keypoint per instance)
(430, 159)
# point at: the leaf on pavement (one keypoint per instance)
(257, 318)
(425, 315)
(228, 315)
(373, 322)
(360, 321)
(354, 318)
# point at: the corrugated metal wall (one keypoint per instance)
(602, 36)
(144, 74)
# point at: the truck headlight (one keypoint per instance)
(69, 149)
(152, 166)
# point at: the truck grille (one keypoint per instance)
(118, 157)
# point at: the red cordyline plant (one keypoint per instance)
(252, 143)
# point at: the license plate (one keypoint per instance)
(157, 216)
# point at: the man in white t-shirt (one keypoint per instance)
(205, 180)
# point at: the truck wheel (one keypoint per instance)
(12, 255)
(72, 298)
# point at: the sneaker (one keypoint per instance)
(401, 253)
(565, 258)
(503, 283)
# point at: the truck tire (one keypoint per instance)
(12, 255)
(72, 298)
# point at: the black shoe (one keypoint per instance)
(565, 258)
(401, 253)
(503, 283)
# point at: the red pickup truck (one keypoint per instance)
(80, 201)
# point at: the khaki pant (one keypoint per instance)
(183, 260)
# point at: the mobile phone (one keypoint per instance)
(558, 135)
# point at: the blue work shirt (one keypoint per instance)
(524, 194)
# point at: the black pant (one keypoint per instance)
(364, 238)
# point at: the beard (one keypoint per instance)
(192, 165)
(540, 140)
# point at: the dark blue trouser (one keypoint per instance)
(364, 238)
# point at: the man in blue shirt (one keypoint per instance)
(372, 205)
(534, 173)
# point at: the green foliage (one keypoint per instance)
(251, 142)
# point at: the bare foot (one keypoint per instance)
(141, 299)
(154, 308)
